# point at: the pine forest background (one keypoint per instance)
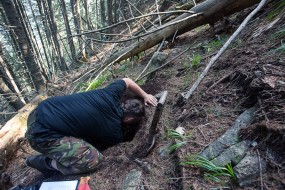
(42, 40)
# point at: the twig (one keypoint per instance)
(173, 38)
(158, 49)
(260, 171)
(165, 63)
(214, 59)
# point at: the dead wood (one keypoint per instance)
(229, 41)
(207, 12)
(15, 129)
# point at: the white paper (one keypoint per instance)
(59, 185)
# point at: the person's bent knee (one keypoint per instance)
(88, 163)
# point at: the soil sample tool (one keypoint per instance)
(143, 150)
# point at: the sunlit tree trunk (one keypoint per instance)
(24, 45)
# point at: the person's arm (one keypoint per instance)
(148, 98)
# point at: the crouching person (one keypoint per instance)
(70, 131)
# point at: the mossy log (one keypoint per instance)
(15, 129)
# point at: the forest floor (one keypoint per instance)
(253, 68)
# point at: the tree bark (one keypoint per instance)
(77, 23)
(210, 10)
(15, 129)
(68, 30)
(63, 66)
(41, 38)
(110, 12)
(49, 44)
(30, 36)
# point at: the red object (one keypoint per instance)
(83, 184)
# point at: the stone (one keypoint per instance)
(248, 169)
(233, 155)
(159, 58)
(165, 151)
(132, 180)
(230, 137)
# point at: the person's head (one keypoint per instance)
(134, 111)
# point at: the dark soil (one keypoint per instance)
(253, 73)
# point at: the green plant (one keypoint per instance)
(141, 82)
(179, 137)
(213, 171)
(96, 83)
(279, 34)
(196, 60)
(213, 44)
(277, 9)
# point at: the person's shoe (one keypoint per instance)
(41, 163)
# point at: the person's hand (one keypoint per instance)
(150, 99)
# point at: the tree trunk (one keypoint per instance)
(110, 12)
(210, 10)
(30, 35)
(89, 26)
(63, 66)
(103, 13)
(68, 30)
(15, 129)
(77, 24)
(26, 51)
(41, 39)
(49, 44)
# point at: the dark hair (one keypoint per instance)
(133, 107)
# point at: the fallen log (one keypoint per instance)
(209, 11)
(15, 129)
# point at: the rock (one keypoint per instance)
(159, 58)
(248, 169)
(132, 180)
(233, 155)
(230, 137)
(165, 151)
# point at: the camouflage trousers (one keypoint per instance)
(72, 155)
